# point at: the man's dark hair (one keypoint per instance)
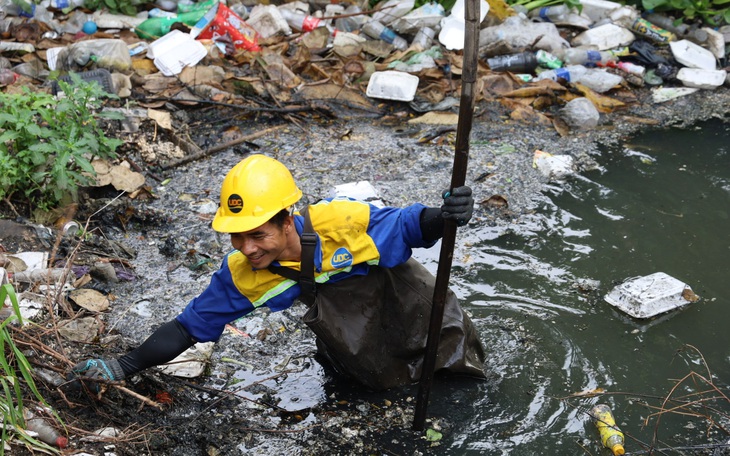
(279, 218)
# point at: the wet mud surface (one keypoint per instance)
(264, 391)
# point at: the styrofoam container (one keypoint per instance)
(604, 37)
(692, 56)
(174, 51)
(702, 79)
(392, 85)
(648, 296)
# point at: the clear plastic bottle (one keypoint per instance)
(375, 29)
(7, 77)
(588, 57)
(547, 60)
(611, 436)
(555, 13)
(46, 432)
(571, 73)
(424, 38)
(351, 22)
(21, 8)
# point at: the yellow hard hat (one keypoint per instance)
(254, 191)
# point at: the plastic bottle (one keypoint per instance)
(587, 57)
(21, 8)
(667, 23)
(156, 27)
(46, 432)
(647, 29)
(524, 62)
(571, 73)
(611, 436)
(630, 68)
(547, 60)
(7, 77)
(300, 21)
(555, 13)
(350, 23)
(13, 46)
(424, 38)
(391, 10)
(375, 29)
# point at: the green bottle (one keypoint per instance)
(156, 27)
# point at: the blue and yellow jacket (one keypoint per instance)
(351, 236)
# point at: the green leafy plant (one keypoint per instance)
(47, 143)
(712, 12)
(13, 366)
(128, 7)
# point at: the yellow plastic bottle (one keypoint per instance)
(611, 436)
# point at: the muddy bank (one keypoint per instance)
(264, 392)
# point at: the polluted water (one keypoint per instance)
(658, 202)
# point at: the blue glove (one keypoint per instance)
(97, 369)
(458, 205)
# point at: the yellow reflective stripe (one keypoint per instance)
(277, 290)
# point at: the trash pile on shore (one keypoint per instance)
(351, 55)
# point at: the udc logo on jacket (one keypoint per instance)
(342, 258)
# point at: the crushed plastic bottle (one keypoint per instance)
(352, 19)
(611, 436)
(7, 77)
(587, 57)
(571, 73)
(300, 21)
(554, 13)
(547, 60)
(375, 29)
(424, 38)
(46, 432)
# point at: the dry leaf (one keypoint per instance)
(89, 299)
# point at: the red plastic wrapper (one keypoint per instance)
(220, 21)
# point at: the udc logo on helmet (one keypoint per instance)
(235, 203)
(341, 258)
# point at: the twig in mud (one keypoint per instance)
(281, 431)
(144, 399)
(218, 148)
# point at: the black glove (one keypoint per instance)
(97, 369)
(458, 205)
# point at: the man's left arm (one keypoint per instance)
(458, 206)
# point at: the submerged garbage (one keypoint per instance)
(651, 295)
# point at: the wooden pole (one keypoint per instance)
(458, 178)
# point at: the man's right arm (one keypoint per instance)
(165, 344)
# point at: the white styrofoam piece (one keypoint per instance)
(701, 79)
(175, 51)
(392, 85)
(361, 190)
(651, 295)
(692, 55)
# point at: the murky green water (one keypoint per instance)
(661, 203)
